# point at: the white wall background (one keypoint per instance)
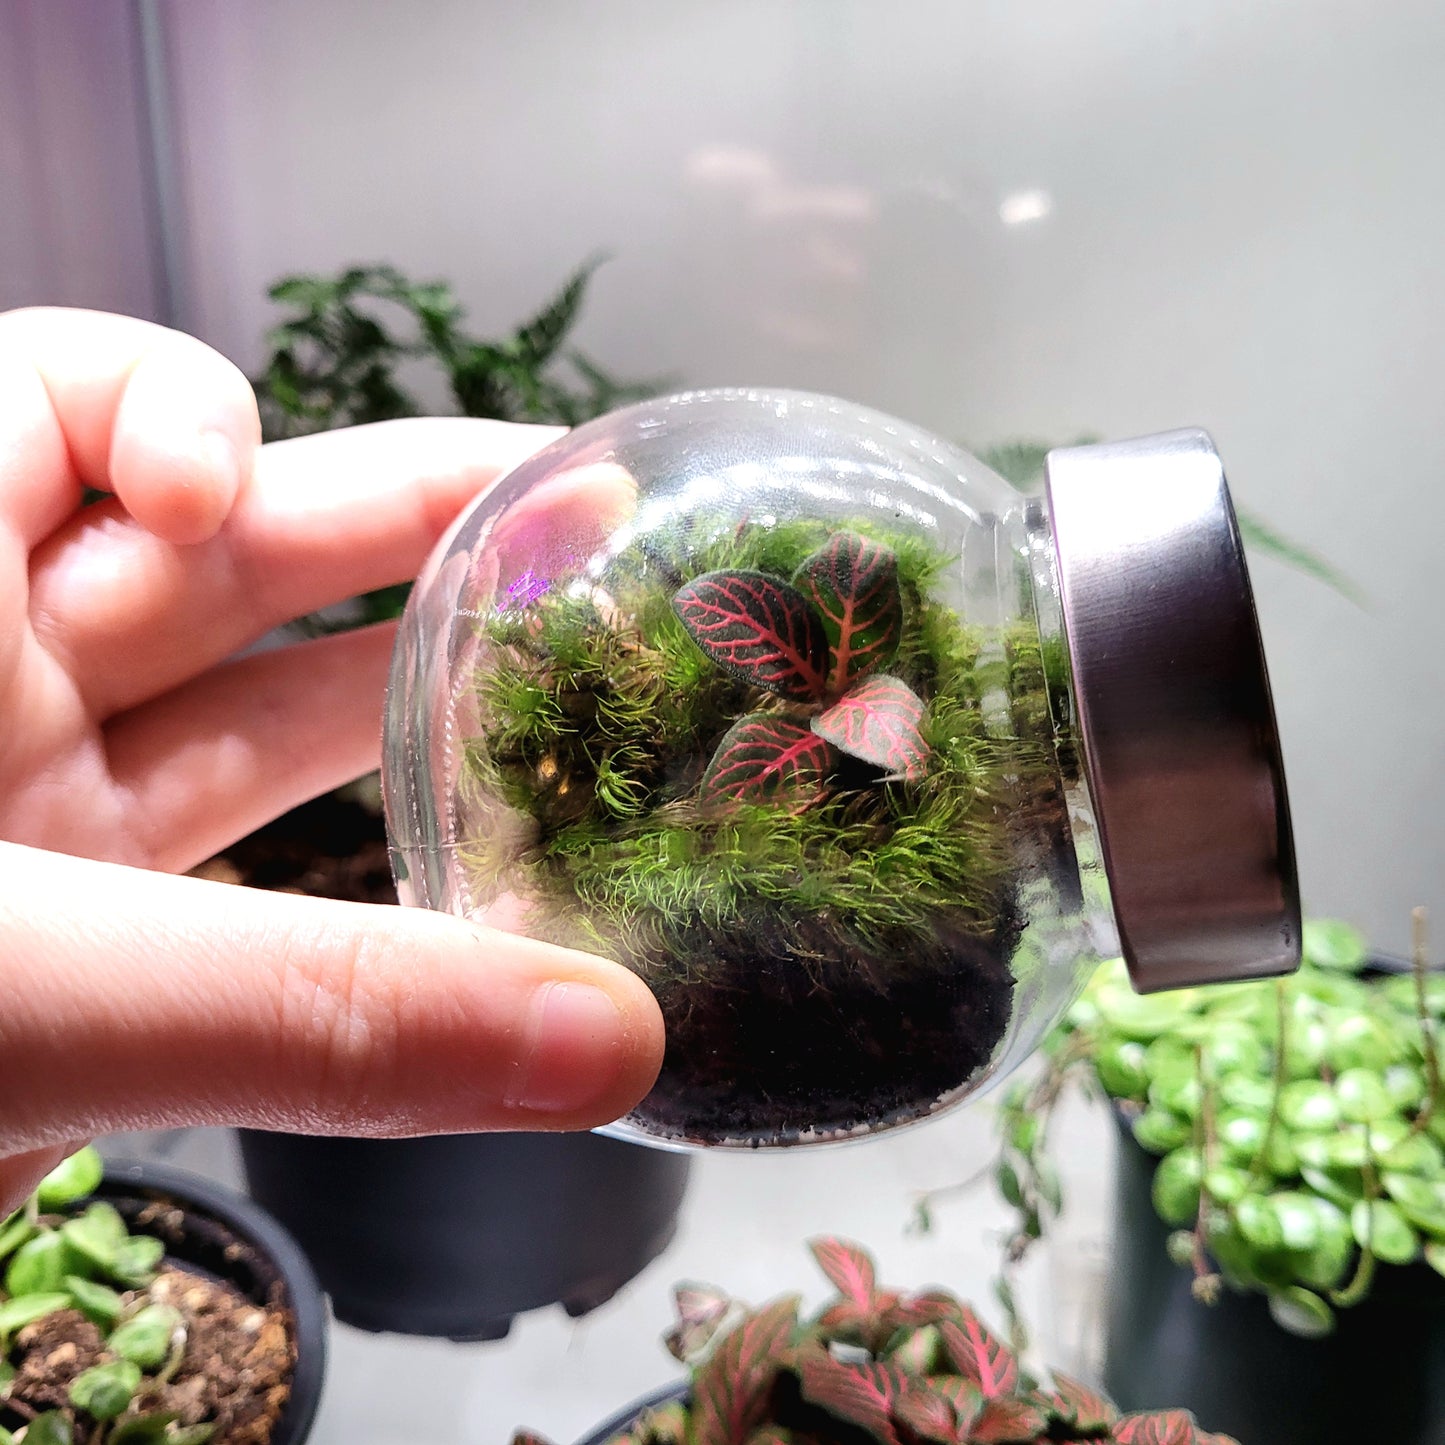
(1245, 211)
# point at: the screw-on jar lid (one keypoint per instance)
(1174, 709)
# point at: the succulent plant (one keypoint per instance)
(1298, 1123)
(873, 1365)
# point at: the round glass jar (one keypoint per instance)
(770, 698)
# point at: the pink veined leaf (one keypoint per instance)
(770, 1435)
(853, 583)
(1207, 1437)
(848, 1267)
(847, 1323)
(701, 1309)
(878, 722)
(979, 1355)
(926, 1414)
(730, 1389)
(1008, 1420)
(931, 1308)
(529, 1437)
(759, 628)
(860, 1394)
(763, 755)
(1077, 1405)
(1156, 1427)
(965, 1397)
(917, 1353)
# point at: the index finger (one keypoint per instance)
(122, 405)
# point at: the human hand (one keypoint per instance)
(135, 737)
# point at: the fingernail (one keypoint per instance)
(576, 1047)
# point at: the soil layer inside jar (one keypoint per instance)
(768, 1045)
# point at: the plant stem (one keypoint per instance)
(1206, 1281)
(1359, 1286)
(1260, 1167)
(1420, 967)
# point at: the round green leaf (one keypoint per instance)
(1435, 1257)
(1168, 1061)
(16, 1313)
(1232, 1048)
(1176, 1186)
(1363, 1097)
(96, 1236)
(146, 1337)
(1301, 1312)
(1159, 1131)
(1245, 1092)
(39, 1266)
(1309, 1106)
(1281, 1158)
(1380, 1226)
(1299, 1220)
(1142, 1016)
(1414, 1154)
(1242, 1136)
(1405, 1085)
(73, 1179)
(1120, 1067)
(1421, 1201)
(1331, 944)
(1341, 1187)
(1258, 1222)
(1358, 1041)
(1182, 1096)
(1308, 1040)
(98, 1303)
(1325, 1265)
(104, 1391)
(136, 1261)
(1227, 1183)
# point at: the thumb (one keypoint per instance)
(141, 1000)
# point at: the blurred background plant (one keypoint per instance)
(370, 344)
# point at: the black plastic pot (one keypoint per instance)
(454, 1236)
(625, 1419)
(1379, 1376)
(203, 1233)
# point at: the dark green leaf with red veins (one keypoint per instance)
(1157, 1427)
(770, 1435)
(700, 1310)
(527, 1437)
(730, 1389)
(1081, 1407)
(848, 1267)
(926, 1415)
(853, 583)
(978, 1355)
(965, 1397)
(878, 722)
(759, 628)
(1008, 1420)
(861, 1394)
(763, 756)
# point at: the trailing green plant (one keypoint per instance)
(57, 1259)
(350, 343)
(1298, 1123)
(874, 1364)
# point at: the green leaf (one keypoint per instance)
(1242, 1136)
(1421, 1201)
(1301, 1312)
(15, 1314)
(1360, 1042)
(1119, 1064)
(1435, 1257)
(39, 1266)
(1309, 1106)
(1182, 1096)
(1176, 1186)
(191, 1434)
(97, 1302)
(537, 341)
(1142, 1016)
(1159, 1131)
(105, 1391)
(142, 1429)
(1343, 1187)
(1331, 944)
(96, 1236)
(1227, 1183)
(1324, 1266)
(1415, 1154)
(14, 1233)
(73, 1179)
(1299, 1219)
(1405, 1085)
(146, 1336)
(1379, 1225)
(917, 1352)
(137, 1260)
(1363, 1097)
(1259, 1223)
(51, 1428)
(1007, 1179)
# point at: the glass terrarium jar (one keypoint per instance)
(849, 749)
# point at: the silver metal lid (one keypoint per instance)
(1174, 709)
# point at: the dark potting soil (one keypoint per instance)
(768, 1045)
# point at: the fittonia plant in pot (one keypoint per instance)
(773, 699)
(873, 1365)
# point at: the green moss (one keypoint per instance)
(598, 732)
